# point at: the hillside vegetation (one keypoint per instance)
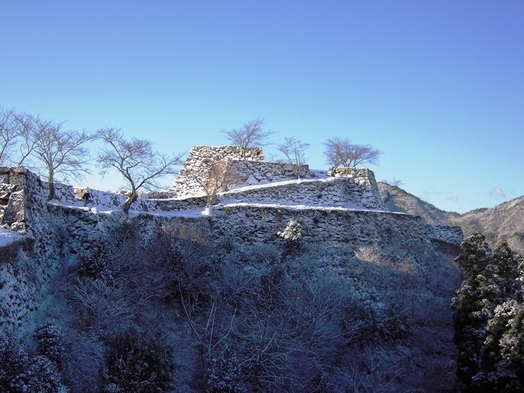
(504, 222)
(212, 314)
(251, 298)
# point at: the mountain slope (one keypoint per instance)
(398, 200)
(502, 222)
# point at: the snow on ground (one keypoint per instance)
(8, 236)
(318, 176)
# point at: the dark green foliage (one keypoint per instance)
(49, 341)
(43, 376)
(139, 362)
(488, 313)
(13, 363)
(20, 372)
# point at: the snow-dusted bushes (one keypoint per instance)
(250, 317)
(49, 343)
(138, 362)
(22, 372)
(292, 232)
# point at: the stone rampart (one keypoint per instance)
(195, 171)
(22, 193)
(327, 192)
(250, 173)
(254, 224)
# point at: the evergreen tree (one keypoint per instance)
(488, 314)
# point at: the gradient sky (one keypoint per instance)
(438, 86)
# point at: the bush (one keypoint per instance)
(49, 341)
(9, 252)
(21, 373)
(138, 363)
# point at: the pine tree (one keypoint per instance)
(488, 314)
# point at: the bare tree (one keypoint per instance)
(27, 125)
(9, 134)
(60, 151)
(250, 134)
(218, 177)
(294, 151)
(340, 151)
(135, 160)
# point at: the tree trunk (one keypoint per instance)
(51, 184)
(129, 201)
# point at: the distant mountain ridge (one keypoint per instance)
(499, 223)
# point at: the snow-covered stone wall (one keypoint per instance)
(195, 170)
(329, 209)
(22, 193)
(326, 192)
(30, 261)
(250, 173)
(253, 224)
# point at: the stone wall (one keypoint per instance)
(254, 224)
(328, 192)
(21, 193)
(195, 170)
(250, 173)
(66, 225)
(28, 264)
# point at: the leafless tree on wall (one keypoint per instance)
(342, 152)
(250, 134)
(9, 132)
(294, 150)
(217, 177)
(62, 152)
(58, 153)
(135, 160)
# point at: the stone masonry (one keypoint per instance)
(195, 171)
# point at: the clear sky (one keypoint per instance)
(438, 86)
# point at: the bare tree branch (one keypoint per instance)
(340, 151)
(294, 151)
(135, 160)
(61, 152)
(250, 134)
(9, 135)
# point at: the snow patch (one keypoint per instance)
(8, 236)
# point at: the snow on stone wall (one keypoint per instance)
(195, 170)
(252, 224)
(21, 193)
(250, 173)
(24, 277)
(66, 224)
(327, 192)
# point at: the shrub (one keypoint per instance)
(49, 341)
(138, 363)
(21, 373)
(9, 252)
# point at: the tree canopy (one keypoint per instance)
(250, 134)
(342, 152)
(135, 160)
(488, 318)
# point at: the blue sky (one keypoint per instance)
(438, 86)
